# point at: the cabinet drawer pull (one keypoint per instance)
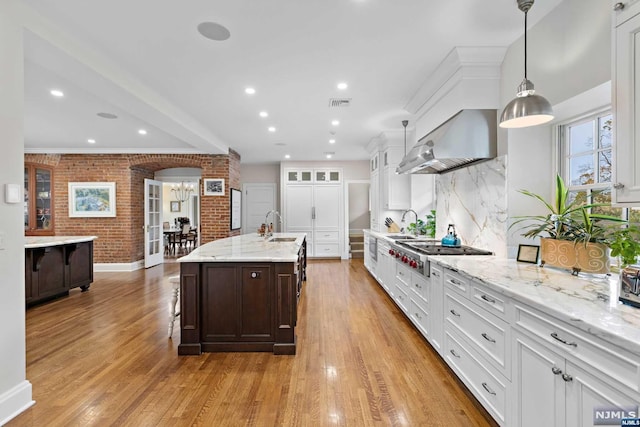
(555, 336)
(487, 337)
(567, 378)
(418, 316)
(454, 353)
(486, 387)
(488, 299)
(455, 282)
(435, 273)
(418, 286)
(556, 370)
(618, 6)
(452, 311)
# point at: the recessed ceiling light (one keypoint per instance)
(57, 93)
(142, 131)
(264, 114)
(249, 91)
(332, 141)
(342, 85)
(107, 115)
(286, 156)
(272, 129)
(280, 144)
(213, 31)
(91, 141)
(335, 122)
(329, 156)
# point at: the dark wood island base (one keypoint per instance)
(241, 306)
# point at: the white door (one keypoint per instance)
(258, 199)
(153, 243)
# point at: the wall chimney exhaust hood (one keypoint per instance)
(470, 136)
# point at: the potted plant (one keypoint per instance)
(625, 245)
(570, 236)
(427, 228)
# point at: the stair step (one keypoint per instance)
(356, 245)
(357, 254)
(356, 237)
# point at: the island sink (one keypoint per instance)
(282, 239)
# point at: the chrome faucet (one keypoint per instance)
(266, 218)
(415, 230)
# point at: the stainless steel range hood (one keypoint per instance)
(468, 137)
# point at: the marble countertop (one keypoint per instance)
(248, 247)
(31, 242)
(589, 303)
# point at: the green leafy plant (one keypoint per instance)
(566, 220)
(625, 244)
(427, 228)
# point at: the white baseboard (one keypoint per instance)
(118, 266)
(15, 401)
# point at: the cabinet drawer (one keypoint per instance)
(487, 386)
(490, 300)
(614, 362)
(403, 275)
(326, 249)
(402, 298)
(420, 287)
(327, 236)
(486, 332)
(419, 316)
(453, 280)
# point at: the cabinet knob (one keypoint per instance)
(618, 186)
(556, 370)
(618, 6)
(567, 378)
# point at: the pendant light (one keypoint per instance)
(527, 109)
(405, 123)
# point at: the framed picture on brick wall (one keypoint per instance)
(214, 187)
(92, 199)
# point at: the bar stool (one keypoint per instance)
(175, 292)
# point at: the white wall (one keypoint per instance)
(15, 390)
(359, 217)
(268, 173)
(569, 53)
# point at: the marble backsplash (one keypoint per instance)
(475, 200)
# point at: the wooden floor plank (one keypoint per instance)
(103, 358)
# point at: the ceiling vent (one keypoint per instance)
(339, 102)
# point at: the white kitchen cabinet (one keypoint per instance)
(568, 372)
(626, 97)
(298, 176)
(327, 175)
(315, 209)
(396, 189)
(384, 266)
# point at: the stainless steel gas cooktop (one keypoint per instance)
(435, 248)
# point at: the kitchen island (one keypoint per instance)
(241, 294)
(55, 264)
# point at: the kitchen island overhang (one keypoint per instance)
(241, 294)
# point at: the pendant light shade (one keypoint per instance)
(528, 108)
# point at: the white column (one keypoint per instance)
(15, 390)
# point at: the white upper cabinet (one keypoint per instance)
(327, 175)
(298, 175)
(396, 189)
(626, 96)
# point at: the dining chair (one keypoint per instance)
(184, 234)
(192, 237)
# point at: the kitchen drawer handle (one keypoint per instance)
(435, 273)
(486, 387)
(567, 378)
(487, 337)
(555, 336)
(487, 299)
(454, 353)
(455, 282)
(556, 370)
(618, 6)
(418, 316)
(452, 311)
(417, 286)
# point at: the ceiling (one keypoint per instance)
(145, 62)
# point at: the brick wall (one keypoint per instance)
(121, 239)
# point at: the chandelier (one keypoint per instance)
(182, 192)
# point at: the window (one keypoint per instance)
(586, 152)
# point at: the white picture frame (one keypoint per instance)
(213, 187)
(92, 199)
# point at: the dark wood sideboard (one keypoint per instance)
(51, 271)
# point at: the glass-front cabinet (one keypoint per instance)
(38, 200)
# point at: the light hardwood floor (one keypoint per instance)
(102, 358)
